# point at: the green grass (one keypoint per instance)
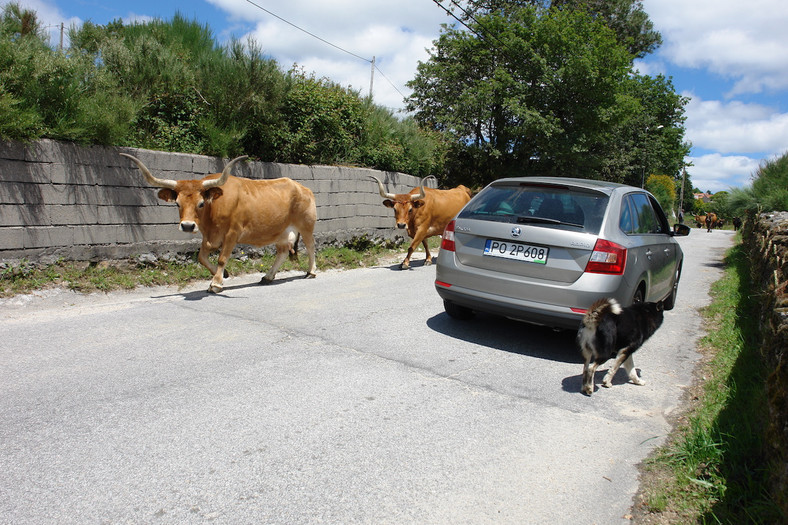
(712, 470)
(86, 277)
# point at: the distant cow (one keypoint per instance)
(700, 220)
(736, 223)
(228, 210)
(711, 221)
(425, 212)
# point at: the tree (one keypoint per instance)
(664, 189)
(626, 18)
(527, 89)
(20, 22)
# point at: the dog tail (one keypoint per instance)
(598, 309)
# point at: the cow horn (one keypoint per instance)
(161, 183)
(382, 189)
(213, 183)
(421, 194)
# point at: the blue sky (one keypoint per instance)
(729, 57)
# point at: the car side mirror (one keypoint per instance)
(681, 230)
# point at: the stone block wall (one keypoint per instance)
(766, 240)
(60, 200)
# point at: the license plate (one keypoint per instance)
(516, 250)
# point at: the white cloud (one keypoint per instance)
(397, 34)
(740, 41)
(735, 127)
(716, 172)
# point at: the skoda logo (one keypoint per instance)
(516, 231)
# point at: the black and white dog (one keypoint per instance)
(608, 330)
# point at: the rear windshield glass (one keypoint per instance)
(559, 207)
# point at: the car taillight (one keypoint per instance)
(607, 257)
(448, 238)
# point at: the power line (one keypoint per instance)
(389, 81)
(470, 17)
(308, 33)
(370, 61)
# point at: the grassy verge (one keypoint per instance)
(712, 470)
(177, 271)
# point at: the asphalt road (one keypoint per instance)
(349, 398)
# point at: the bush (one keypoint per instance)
(167, 85)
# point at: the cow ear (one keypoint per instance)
(168, 195)
(212, 194)
(418, 204)
(388, 203)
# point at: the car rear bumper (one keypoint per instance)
(536, 313)
(567, 301)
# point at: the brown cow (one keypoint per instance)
(700, 220)
(711, 221)
(228, 210)
(425, 212)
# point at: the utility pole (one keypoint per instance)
(62, 27)
(681, 195)
(371, 78)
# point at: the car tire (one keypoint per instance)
(455, 311)
(639, 295)
(670, 300)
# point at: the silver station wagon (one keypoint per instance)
(543, 249)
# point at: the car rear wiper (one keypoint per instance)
(545, 220)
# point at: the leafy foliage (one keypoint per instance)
(664, 189)
(532, 90)
(168, 85)
(769, 190)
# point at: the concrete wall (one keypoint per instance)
(59, 200)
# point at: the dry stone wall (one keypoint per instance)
(60, 200)
(766, 240)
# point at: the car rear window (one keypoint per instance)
(553, 206)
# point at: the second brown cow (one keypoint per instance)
(424, 212)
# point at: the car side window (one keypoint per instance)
(625, 221)
(662, 220)
(646, 219)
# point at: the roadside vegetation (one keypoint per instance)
(514, 87)
(713, 469)
(181, 270)
(168, 85)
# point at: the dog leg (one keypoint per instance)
(607, 381)
(629, 366)
(588, 378)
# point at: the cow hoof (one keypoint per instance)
(215, 288)
(428, 262)
(265, 280)
(404, 266)
(310, 275)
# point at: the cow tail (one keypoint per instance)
(294, 248)
(598, 309)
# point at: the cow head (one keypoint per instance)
(190, 195)
(403, 204)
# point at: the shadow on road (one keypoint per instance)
(510, 336)
(574, 383)
(198, 295)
